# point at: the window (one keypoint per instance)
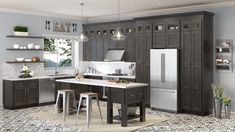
(58, 52)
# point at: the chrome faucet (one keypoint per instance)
(56, 69)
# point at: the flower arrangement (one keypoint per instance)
(227, 101)
(26, 72)
(78, 75)
(217, 91)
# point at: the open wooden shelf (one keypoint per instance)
(24, 49)
(11, 62)
(36, 37)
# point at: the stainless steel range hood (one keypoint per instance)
(114, 55)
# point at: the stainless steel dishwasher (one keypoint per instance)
(46, 90)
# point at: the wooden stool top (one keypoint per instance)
(88, 94)
(65, 91)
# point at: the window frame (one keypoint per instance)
(73, 53)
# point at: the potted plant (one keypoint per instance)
(227, 106)
(218, 99)
(21, 31)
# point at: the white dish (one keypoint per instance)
(16, 46)
(19, 59)
(37, 46)
(27, 60)
(30, 45)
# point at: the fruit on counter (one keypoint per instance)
(123, 81)
(119, 81)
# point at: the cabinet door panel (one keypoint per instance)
(186, 74)
(130, 48)
(139, 48)
(186, 48)
(139, 72)
(86, 51)
(99, 49)
(173, 39)
(93, 48)
(19, 93)
(196, 71)
(32, 92)
(159, 39)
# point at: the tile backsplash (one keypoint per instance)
(107, 67)
(13, 70)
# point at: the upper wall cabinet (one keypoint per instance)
(166, 33)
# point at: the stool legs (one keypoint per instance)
(56, 104)
(88, 111)
(64, 106)
(89, 106)
(98, 104)
(67, 104)
(79, 105)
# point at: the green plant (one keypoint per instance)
(217, 90)
(227, 101)
(49, 45)
(20, 29)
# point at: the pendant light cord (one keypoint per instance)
(118, 12)
(81, 12)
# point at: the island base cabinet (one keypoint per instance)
(20, 94)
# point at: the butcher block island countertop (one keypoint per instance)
(104, 83)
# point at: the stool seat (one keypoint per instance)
(66, 90)
(66, 95)
(88, 96)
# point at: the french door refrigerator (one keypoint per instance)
(164, 79)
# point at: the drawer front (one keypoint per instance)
(117, 95)
(134, 95)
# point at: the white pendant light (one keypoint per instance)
(82, 37)
(118, 36)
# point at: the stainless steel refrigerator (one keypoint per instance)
(164, 79)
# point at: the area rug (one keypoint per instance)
(96, 124)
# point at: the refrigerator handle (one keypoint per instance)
(163, 67)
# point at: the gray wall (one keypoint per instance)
(224, 28)
(36, 27)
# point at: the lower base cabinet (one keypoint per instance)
(20, 94)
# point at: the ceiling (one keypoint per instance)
(97, 8)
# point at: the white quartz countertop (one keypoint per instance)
(39, 77)
(105, 75)
(104, 83)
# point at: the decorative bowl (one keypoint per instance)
(19, 59)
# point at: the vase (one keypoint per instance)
(21, 33)
(227, 109)
(218, 107)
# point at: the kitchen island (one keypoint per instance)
(124, 94)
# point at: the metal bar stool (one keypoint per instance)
(66, 95)
(88, 96)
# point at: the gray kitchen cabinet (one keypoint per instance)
(143, 45)
(166, 33)
(196, 63)
(20, 94)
